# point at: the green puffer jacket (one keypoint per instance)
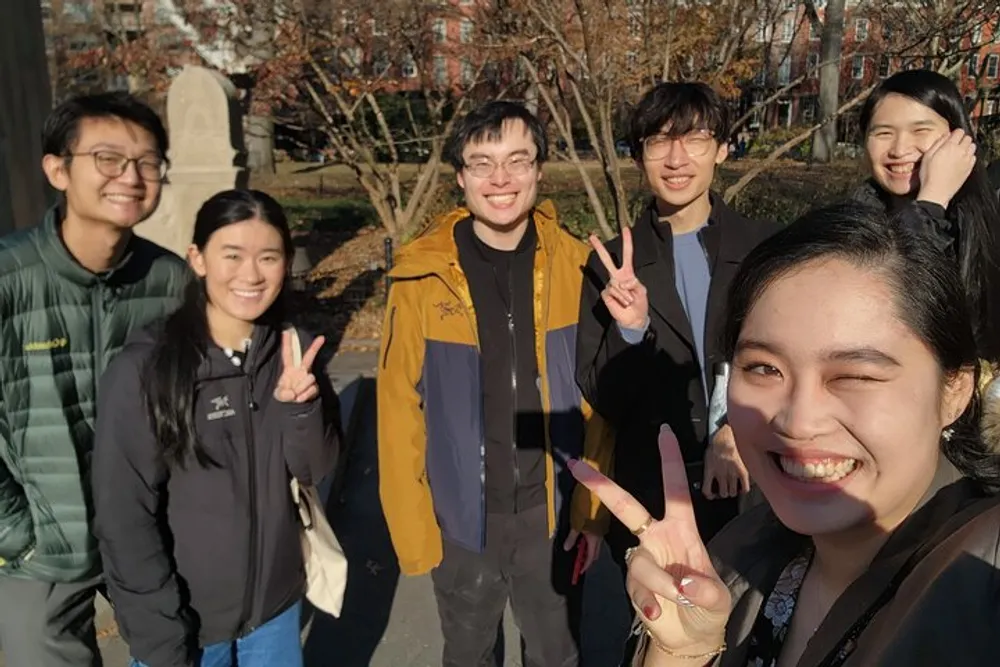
(59, 326)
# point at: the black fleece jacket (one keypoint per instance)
(198, 555)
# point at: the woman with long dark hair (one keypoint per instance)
(205, 419)
(919, 147)
(856, 411)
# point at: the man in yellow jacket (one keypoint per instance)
(478, 409)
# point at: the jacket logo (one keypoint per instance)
(45, 345)
(448, 309)
(221, 408)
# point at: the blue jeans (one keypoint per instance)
(274, 644)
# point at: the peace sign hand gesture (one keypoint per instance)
(624, 296)
(671, 580)
(297, 384)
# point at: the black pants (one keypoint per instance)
(521, 563)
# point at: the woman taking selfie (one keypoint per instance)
(920, 151)
(205, 419)
(856, 412)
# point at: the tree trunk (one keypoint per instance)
(260, 144)
(831, 48)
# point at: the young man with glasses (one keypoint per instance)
(653, 307)
(71, 289)
(478, 411)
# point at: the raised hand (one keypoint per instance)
(671, 580)
(297, 384)
(723, 466)
(624, 296)
(945, 167)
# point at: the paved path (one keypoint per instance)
(389, 620)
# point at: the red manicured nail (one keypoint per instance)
(650, 612)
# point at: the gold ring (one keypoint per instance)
(645, 524)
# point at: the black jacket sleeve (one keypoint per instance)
(609, 370)
(128, 481)
(929, 219)
(311, 432)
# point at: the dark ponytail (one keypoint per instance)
(171, 373)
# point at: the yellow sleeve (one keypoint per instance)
(402, 438)
(586, 512)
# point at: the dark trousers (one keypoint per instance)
(48, 625)
(521, 564)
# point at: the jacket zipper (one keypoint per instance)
(388, 342)
(513, 381)
(246, 627)
(97, 315)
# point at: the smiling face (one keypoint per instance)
(243, 266)
(836, 405)
(92, 196)
(681, 170)
(901, 130)
(503, 199)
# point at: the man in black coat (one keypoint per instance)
(653, 308)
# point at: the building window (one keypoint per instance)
(763, 32)
(440, 31)
(973, 64)
(353, 57)
(409, 67)
(858, 67)
(468, 72)
(989, 107)
(861, 29)
(635, 24)
(885, 66)
(977, 35)
(814, 30)
(991, 66)
(378, 29)
(440, 69)
(465, 33)
(785, 71)
(788, 29)
(812, 65)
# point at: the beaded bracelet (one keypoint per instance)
(701, 656)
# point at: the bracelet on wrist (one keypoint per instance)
(685, 656)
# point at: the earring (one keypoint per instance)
(947, 433)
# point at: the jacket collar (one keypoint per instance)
(264, 344)
(55, 254)
(436, 251)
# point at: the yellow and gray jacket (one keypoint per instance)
(430, 423)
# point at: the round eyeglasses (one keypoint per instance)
(518, 166)
(696, 144)
(112, 165)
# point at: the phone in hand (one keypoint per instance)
(581, 559)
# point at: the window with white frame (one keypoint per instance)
(858, 67)
(977, 35)
(861, 29)
(788, 29)
(409, 67)
(465, 31)
(440, 30)
(973, 64)
(468, 72)
(885, 66)
(785, 71)
(992, 63)
(440, 69)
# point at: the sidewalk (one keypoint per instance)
(388, 620)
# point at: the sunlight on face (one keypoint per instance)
(837, 407)
(900, 132)
(244, 266)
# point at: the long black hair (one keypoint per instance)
(182, 343)
(929, 300)
(974, 211)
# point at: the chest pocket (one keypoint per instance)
(221, 417)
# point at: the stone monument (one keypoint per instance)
(206, 153)
(25, 100)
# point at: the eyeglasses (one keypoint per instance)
(112, 165)
(697, 144)
(518, 166)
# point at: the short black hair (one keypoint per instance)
(62, 127)
(487, 122)
(685, 106)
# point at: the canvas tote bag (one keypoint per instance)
(325, 562)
